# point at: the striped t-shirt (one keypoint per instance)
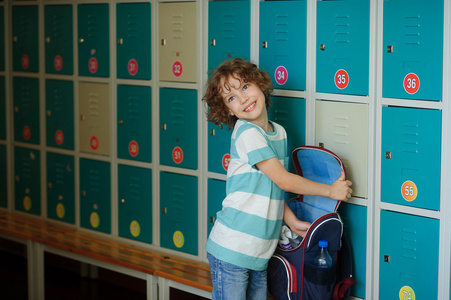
(247, 228)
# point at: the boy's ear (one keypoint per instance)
(230, 112)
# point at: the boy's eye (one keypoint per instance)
(245, 86)
(231, 98)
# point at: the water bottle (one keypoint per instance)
(323, 258)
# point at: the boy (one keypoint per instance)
(247, 228)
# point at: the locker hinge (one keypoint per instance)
(213, 42)
(388, 155)
(322, 47)
(390, 49)
(265, 45)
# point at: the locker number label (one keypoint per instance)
(411, 83)
(406, 293)
(94, 142)
(409, 191)
(281, 75)
(60, 210)
(132, 67)
(179, 239)
(59, 137)
(27, 203)
(25, 61)
(177, 155)
(226, 161)
(58, 63)
(341, 79)
(177, 69)
(93, 65)
(133, 148)
(26, 132)
(135, 230)
(95, 220)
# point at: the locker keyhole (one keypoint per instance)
(387, 258)
(212, 219)
(265, 45)
(322, 47)
(213, 42)
(388, 155)
(390, 49)
(212, 132)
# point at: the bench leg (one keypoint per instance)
(151, 287)
(35, 261)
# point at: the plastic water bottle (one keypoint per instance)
(323, 258)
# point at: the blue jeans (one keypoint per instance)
(231, 282)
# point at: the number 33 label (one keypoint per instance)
(409, 190)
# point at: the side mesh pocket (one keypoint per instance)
(318, 282)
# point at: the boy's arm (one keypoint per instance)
(339, 190)
(298, 227)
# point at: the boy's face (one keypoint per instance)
(244, 100)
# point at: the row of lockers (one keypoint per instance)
(409, 244)
(412, 68)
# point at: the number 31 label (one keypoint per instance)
(409, 190)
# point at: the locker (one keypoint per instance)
(178, 128)
(133, 40)
(410, 163)
(343, 128)
(3, 178)
(290, 113)
(218, 148)
(2, 108)
(178, 215)
(413, 49)
(135, 203)
(283, 38)
(177, 28)
(95, 195)
(25, 38)
(134, 119)
(229, 31)
(342, 50)
(94, 108)
(355, 227)
(216, 194)
(409, 249)
(60, 187)
(93, 40)
(26, 109)
(59, 102)
(2, 38)
(59, 49)
(27, 180)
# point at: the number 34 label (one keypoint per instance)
(409, 190)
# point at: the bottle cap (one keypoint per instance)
(323, 243)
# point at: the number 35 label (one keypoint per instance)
(341, 79)
(411, 83)
(409, 191)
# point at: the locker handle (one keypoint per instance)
(15, 39)
(321, 145)
(387, 258)
(83, 193)
(50, 185)
(82, 117)
(212, 219)
(16, 109)
(49, 113)
(122, 201)
(213, 42)
(163, 126)
(164, 210)
(388, 155)
(163, 42)
(120, 41)
(212, 132)
(120, 122)
(47, 40)
(265, 45)
(322, 47)
(17, 178)
(81, 40)
(390, 49)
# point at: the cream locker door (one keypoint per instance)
(343, 129)
(94, 106)
(178, 42)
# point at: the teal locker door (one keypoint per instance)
(133, 40)
(26, 109)
(59, 105)
(342, 50)
(2, 109)
(134, 118)
(25, 38)
(93, 40)
(216, 194)
(27, 180)
(60, 187)
(229, 31)
(412, 49)
(283, 39)
(409, 250)
(178, 215)
(95, 195)
(59, 49)
(411, 150)
(290, 113)
(2, 38)
(218, 148)
(135, 203)
(3, 178)
(355, 227)
(178, 130)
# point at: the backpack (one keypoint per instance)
(291, 272)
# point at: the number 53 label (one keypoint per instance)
(409, 191)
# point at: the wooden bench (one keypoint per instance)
(156, 267)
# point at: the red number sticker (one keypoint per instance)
(25, 61)
(133, 148)
(281, 75)
(411, 83)
(94, 143)
(341, 79)
(59, 137)
(93, 65)
(26, 132)
(58, 63)
(177, 69)
(132, 67)
(226, 161)
(177, 155)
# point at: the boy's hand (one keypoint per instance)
(300, 227)
(340, 189)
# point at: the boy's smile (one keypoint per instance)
(246, 101)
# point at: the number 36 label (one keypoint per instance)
(409, 190)
(411, 83)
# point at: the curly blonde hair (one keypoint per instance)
(242, 70)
